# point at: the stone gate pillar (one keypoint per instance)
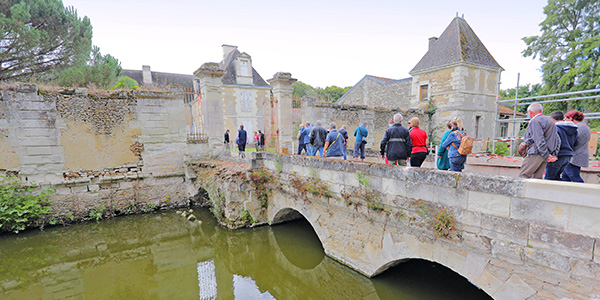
(212, 105)
(282, 91)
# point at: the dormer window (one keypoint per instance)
(244, 68)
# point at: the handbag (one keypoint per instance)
(364, 140)
(524, 148)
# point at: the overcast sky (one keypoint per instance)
(320, 42)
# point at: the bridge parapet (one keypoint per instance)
(514, 238)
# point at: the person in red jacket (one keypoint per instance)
(419, 140)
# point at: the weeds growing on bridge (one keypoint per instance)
(310, 186)
(261, 179)
(372, 198)
(441, 221)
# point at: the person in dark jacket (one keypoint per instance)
(317, 139)
(241, 140)
(344, 133)
(567, 131)
(396, 144)
(226, 140)
(261, 140)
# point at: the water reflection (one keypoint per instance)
(162, 256)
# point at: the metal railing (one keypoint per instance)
(515, 103)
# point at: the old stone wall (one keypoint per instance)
(353, 115)
(374, 92)
(97, 150)
(515, 239)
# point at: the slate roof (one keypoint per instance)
(162, 78)
(228, 64)
(458, 43)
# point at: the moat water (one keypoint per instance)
(163, 256)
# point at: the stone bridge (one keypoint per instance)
(513, 238)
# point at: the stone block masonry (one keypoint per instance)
(109, 149)
(508, 236)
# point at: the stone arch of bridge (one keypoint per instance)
(292, 212)
(468, 266)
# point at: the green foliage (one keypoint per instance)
(99, 70)
(20, 205)
(97, 213)
(363, 194)
(310, 186)
(247, 218)
(443, 223)
(328, 94)
(525, 91)
(126, 83)
(40, 35)
(501, 149)
(362, 180)
(569, 49)
(278, 165)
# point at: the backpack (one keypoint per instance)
(466, 144)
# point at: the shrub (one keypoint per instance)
(501, 149)
(20, 205)
(126, 83)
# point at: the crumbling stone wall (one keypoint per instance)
(104, 149)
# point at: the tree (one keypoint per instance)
(100, 70)
(328, 94)
(38, 35)
(569, 49)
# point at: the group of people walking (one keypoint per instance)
(556, 146)
(399, 145)
(241, 140)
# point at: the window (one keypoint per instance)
(423, 93)
(477, 119)
(246, 102)
(244, 70)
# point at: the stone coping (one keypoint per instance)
(586, 195)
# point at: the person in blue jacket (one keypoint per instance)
(443, 162)
(567, 131)
(452, 143)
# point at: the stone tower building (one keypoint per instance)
(457, 73)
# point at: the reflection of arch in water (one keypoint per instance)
(314, 274)
(424, 279)
(298, 241)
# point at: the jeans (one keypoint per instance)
(359, 146)
(317, 148)
(300, 147)
(344, 150)
(457, 162)
(571, 173)
(554, 169)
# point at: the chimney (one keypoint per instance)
(227, 49)
(432, 41)
(146, 75)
